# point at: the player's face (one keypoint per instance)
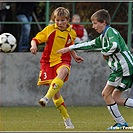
(61, 22)
(98, 26)
(76, 19)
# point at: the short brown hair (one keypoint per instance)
(101, 15)
(61, 11)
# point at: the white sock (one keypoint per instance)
(114, 111)
(129, 102)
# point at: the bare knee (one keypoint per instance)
(62, 73)
(104, 95)
(117, 97)
(108, 98)
(107, 95)
(118, 100)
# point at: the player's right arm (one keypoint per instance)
(38, 39)
(33, 48)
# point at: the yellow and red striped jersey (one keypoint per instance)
(55, 39)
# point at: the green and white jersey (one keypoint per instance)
(120, 59)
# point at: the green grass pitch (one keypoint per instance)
(84, 118)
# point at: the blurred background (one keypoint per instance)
(19, 70)
(121, 14)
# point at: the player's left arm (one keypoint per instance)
(77, 58)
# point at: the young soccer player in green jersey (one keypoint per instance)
(119, 60)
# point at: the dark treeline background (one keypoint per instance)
(84, 9)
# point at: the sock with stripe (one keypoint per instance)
(59, 103)
(128, 103)
(114, 111)
(55, 86)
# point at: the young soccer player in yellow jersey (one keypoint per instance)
(55, 67)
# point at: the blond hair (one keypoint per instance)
(61, 11)
(101, 15)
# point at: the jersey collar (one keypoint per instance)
(103, 33)
(67, 29)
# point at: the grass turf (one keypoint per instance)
(96, 118)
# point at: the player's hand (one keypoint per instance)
(78, 59)
(105, 57)
(63, 50)
(33, 49)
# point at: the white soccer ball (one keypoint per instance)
(8, 42)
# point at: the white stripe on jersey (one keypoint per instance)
(111, 50)
(127, 55)
(115, 63)
(124, 64)
(82, 44)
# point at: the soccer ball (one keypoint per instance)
(7, 42)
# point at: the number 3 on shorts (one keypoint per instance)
(45, 75)
(42, 75)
